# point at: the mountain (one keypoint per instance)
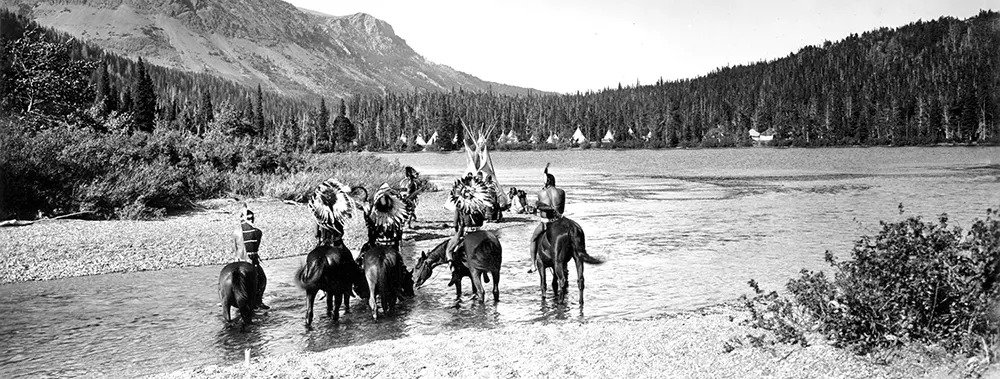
(290, 51)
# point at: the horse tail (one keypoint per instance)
(579, 242)
(310, 275)
(244, 294)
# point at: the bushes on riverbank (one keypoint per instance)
(915, 281)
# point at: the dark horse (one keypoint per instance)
(387, 277)
(330, 268)
(485, 258)
(238, 288)
(562, 240)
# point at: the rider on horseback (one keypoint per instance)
(550, 205)
(472, 201)
(246, 240)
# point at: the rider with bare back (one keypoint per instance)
(550, 205)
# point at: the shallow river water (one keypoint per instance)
(680, 230)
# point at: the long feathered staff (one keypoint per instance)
(471, 195)
(331, 202)
(388, 209)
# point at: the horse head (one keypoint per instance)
(421, 271)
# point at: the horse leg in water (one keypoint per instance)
(496, 285)
(329, 303)
(225, 305)
(477, 283)
(347, 299)
(555, 286)
(541, 276)
(336, 309)
(310, 297)
(371, 297)
(579, 276)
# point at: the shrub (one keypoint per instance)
(914, 281)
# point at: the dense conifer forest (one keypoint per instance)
(924, 83)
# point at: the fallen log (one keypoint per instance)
(75, 215)
(16, 223)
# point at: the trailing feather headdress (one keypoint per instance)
(331, 202)
(471, 195)
(388, 210)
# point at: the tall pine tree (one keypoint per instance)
(143, 99)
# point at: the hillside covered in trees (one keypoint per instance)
(923, 83)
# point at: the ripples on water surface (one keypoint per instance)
(680, 229)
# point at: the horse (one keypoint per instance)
(427, 262)
(238, 288)
(387, 277)
(485, 258)
(562, 240)
(333, 270)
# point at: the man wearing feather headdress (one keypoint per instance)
(386, 217)
(331, 204)
(472, 200)
(246, 241)
(551, 204)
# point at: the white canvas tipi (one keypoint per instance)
(608, 137)
(578, 137)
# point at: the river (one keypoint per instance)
(679, 229)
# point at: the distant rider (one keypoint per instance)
(550, 205)
(246, 244)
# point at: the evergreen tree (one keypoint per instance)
(144, 99)
(323, 122)
(258, 121)
(206, 112)
(344, 129)
(105, 96)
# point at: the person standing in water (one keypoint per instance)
(246, 241)
(550, 205)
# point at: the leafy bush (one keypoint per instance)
(776, 314)
(914, 281)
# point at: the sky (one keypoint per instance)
(578, 45)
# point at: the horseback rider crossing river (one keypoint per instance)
(472, 198)
(246, 244)
(550, 205)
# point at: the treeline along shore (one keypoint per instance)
(86, 129)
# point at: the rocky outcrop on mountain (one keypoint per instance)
(287, 50)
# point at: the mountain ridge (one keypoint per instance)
(292, 51)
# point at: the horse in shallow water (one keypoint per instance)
(562, 240)
(332, 269)
(485, 258)
(238, 288)
(386, 276)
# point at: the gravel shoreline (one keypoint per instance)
(55, 249)
(686, 345)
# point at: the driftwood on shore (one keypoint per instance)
(75, 215)
(15, 223)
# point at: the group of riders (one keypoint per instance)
(386, 214)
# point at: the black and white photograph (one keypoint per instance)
(499, 189)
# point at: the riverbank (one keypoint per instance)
(686, 345)
(54, 249)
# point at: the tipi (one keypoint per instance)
(578, 137)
